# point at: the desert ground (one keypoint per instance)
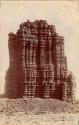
(38, 111)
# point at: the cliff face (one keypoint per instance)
(38, 65)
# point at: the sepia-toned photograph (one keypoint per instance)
(39, 62)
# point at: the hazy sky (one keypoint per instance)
(63, 14)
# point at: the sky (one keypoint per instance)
(63, 14)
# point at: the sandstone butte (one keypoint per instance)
(37, 63)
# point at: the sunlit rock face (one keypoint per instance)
(38, 65)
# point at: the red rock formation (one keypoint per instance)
(38, 66)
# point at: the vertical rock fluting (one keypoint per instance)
(38, 65)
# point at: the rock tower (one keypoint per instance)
(38, 65)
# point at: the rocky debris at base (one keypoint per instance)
(38, 111)
(35, 106)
